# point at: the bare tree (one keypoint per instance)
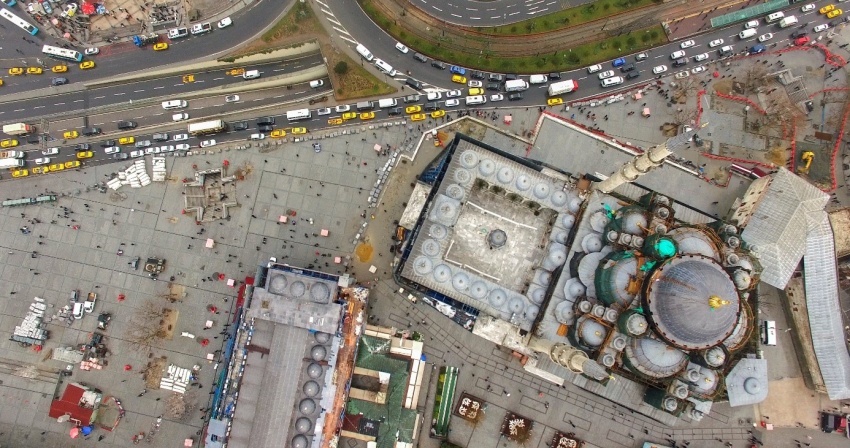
(755, 77)
(180, 406)
(146, 326)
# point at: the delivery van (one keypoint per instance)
(174, 104)
(387, 102)
(475, 99)
(746, 34)
(364, 52)
(251, 74)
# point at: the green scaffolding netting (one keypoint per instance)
(746, 13)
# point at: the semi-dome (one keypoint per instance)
(614, 279)
(303, 425)
(321, 337)
(487, 168)
(297, 289)
(692, 302)
(469, 159)
(523, 183)
(320, 292)
(318, 352)
(694, 241)
(299, 441)
(654, 358)
(307, 406)
(310, 388)
(314, 370)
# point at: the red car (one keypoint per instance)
(801, 40)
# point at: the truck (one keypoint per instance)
(18, 129)
(12, 154)
(88, 305)
(11, 163)
(207, 127)
(787, 21)
(561, 87)
(201, 28)
(516, 85)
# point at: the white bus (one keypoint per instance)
(300, 114)
(62, 53)
(207, 127)
(19, 22)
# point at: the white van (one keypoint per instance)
(516, 85)
(612, 81)
(538, 79)
(768, 332)
(251, 74)
(174, 104)
(387, 102)
(384, 67)
(775, 16)
(180, 117)
(176, 33)
(317, 83)
(475, 99)
(364, 52)
(746, 34)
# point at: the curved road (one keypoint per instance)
(492, 13)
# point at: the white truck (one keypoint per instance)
(12, 154)
(18, 129)
(11, 163)
(787, 21)
(516, 85)
(561, 87)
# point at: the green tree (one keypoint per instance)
(341, 68)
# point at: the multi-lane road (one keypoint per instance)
(490, 13)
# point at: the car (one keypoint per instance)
(40, 169)
(618, 62)
(349, 115)
(160, 46)
(457, 70)
(633, 75)
(659, 69)
(324, 111)
(826, 9)
(91, 131)
(476, 91)
(495, 77)
(687, 44)
(834, 13)
(715, 43)
(627, 68)
(765, 37)
(459, 79)
(15, 71)
(126, 140)
(120, 156)
(606, 74)
(160, 137)
(277, 133)
(91, 51)
(207, 143)
(58, 81)
(516, 96)
(188, 79)
(641, 56)
(677, 54)
(108, 143)
(342, 108)
(438, 113)
(798, 33)
(127, 124)
(70, 10)
(182, 147)
(168, 148)
(554, 101)
(434, 96)
(85, 155)
(34, 70)
(699, 69)
(262, 136)
(412, 109)
(57, 167)
(418, 117)
(299, 131)
(335, 121)
(224, 23)
(809, 7)
(265, 127)
(59, 69)
(440, 65)
(8, 143)
(50, 151)
(182, 137)
(751, 24)
(85, 65)
(42, 161)
(231, 98)
(82, 147)
(367, 115)
(454, 102)
(800, 41)
(821, 28)
(47, 8)
(70, 134)
(454, 93)
(682, 75)
(20, 173)
(143, 143)
(400, 47)
(497, 97)
(137, 153)
(494, 86)
(475, 84)
(476, 74)
(112, 150)
(726, 50)
(701, 57)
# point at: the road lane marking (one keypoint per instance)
(160, 87)
(118, 94)
(38, 107)
(98, 97)
(137, 91)
(218, 79)
(59, 104)
(78, 101)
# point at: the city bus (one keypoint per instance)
(62, 53)
(19, 22)
(300, 114)
(207, 127)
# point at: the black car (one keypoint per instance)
(475, 74)
(108, 143)
(627, 68)
(680, 62)
(411, 99)
(420, 57)
(82, 147)
(429, 107)
(265, 120)
(394, 111)
(556, 75)
(511, 77)
(33, 139)
(414, 83)
(516, 96)
(240, 126)
(160, 137)
(127, 124)
(91, 131)
(633, 74)
(120, 156)
(798, 34)
(59, 81)
(438, 64)
(265, 128)
(495, 77)
(494, 86)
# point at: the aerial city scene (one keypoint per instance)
(425, 223)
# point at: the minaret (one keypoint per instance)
(645, 162)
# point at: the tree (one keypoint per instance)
(341, 68)
(145, 327)
(179, 406)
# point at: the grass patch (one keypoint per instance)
(357, 82)
(566, 18)
(300, 19)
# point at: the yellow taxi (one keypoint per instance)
(188, 78)
(85, 155)
(74, 163)
(438, 113)
(476, 91)
(8, 143)
(85, 65)
(40, 170)
(70, 134)
(299, 131)
(16, 71)
(826, 9)
(160, 46)
(367, 115)
(126, 140)
(57, 167)
(278, 133)
(555, 101)
(34, 70)
(834, 13)
(59, 69)
(418, 117)
(20, 173)
(1, 82)
(460, 79)
(412, 109)
(349, 115)
(235, 72)
(335, 121)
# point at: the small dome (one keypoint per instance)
(455, 191)
(559, 198)
(592, 333)
(431, 248)
(307, 406)
(278, 283)
(442, 273)
(478, 290)
(299, 441)
(634, 222)
(469, 158)
(608, 360)
(314, 370)
(541, 191)
(497, 238)
(497, 297)
(438, 231)
(423, 265)
(322, 337)
(592, 242)
(505, 175)
(574, 204)
(460, 281)
(303, 425)
(574, 288)
(487, 168)
(516, 305)
(310, 389)
(537, 295)
(320, 293)
(752, 386)
(564, 312)
(531, 312)
(318, 353)
(463, 177)
(568, 220)
(297, 289)
(669, 404)
(523, 183)
(559, 236)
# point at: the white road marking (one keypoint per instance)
(98, 97)
(438, 9)
(118, 94)
(348, 39)
(78, 101)
(160, 87)
(137, 91)
(218, 79)
(38, 107)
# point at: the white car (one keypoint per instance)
(149, 150)
(606, 74)
(715, 43)
(257, 137)
(726, 51)
(660, 69)
(700, 57)
(92, 51)
(751, 24)
(699, 69)
(159, 149)
(183, 147)
(433, 96)
(137, 153)
(50, 151)
(324, 111)
(497, 97)
(454, 93)
(342, 108)
(765, 37)
(167, 148)
(682, 75)
(687, 44)
(112, 150)
(822, 27)
(594, 68)
(809, 7)
(453, 102)
(207, 143)
(677, 54)
(225, 22)
(42, 160)
(231, 98)
(400, 47)
(180, 137)
(475, 84)
(70, 10)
